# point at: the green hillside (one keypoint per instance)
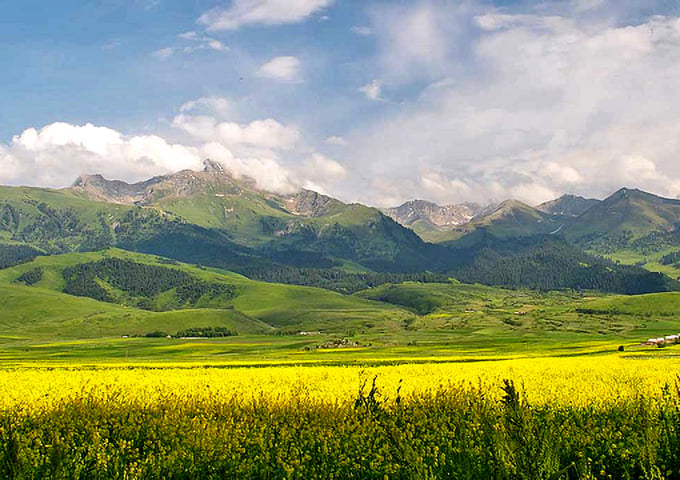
(39, 320)
(249, 306)
(547, 262)
(629, 213)
(211, 218)
(498, 315)
(509, 219)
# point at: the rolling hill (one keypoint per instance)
(37, 304)
(628, 214)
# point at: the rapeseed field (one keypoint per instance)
(604, 416)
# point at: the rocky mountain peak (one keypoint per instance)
(308, 203)
(99, 188)
(85, 180)
(181, 184)
(210, 166)
(439, 216)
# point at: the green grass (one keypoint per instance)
(650, 262)
(262, 305)
(391, 323)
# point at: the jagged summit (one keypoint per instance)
(438, 216)
(214, 178)
(98, 188)
(308, 203)
(210, 166)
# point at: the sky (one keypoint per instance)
(376, 102)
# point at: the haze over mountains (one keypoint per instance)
(211, 217)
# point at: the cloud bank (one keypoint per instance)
(547, 103)
(55, 155)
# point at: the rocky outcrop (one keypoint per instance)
(439, 216)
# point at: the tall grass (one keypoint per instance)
(451, 433)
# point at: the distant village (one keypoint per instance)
(663, 341)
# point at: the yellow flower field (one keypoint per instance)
(593, 417)
(569, 381)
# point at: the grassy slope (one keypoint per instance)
(502, 314)
(61, 199)
(631, 211)
(351, 232)
(239, 214)
(510, 219)
(258, 307)
(466, 323)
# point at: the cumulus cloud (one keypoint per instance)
(325, 168)
(260, 134)
(285, 69)
(57, 153)
(263, 12)
(372, 90)
(266, 170)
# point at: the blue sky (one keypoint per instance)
(371, 101)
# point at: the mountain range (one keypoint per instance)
(629, 213)
(213, 218)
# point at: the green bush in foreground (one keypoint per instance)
(451, 434)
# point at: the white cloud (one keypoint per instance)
(217, 105)
(324, 168)
(561, 174)
(262, 12)
(189, 36)
(319, 172)
(418, 39)
(285, 69)
(57, 153)
(538, 105)
(265, 134)
(163, 53)
(372, 90)
(197, 41)
(267, 171)
(441, 188)
(217, 45)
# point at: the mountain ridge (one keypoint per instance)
(210, 217)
